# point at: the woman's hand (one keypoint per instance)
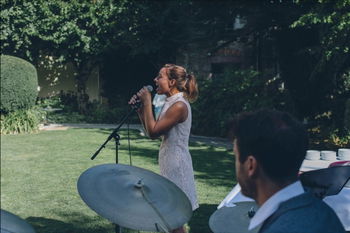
(133, 100)
(144, 96)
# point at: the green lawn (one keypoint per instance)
(39, 173)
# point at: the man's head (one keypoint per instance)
(268, 145)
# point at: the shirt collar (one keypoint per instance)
(173, 97)
(272, 204)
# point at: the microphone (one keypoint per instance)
(149, 88)
(137, 105)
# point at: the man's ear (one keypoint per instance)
(251, 166)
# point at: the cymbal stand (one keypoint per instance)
(160, 227)
(116, 138)
(164, 226)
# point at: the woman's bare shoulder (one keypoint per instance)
(179, 108)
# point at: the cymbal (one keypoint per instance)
(134, 198)
(327, 181)
(233, 219)
(12, 223)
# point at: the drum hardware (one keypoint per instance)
(251, 212)
(327, 181)
(114, 135)
(233, 219)
(134, 197)
(12, 223)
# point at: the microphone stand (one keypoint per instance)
(116, 138)
(114, 135)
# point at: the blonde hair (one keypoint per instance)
(185, 82)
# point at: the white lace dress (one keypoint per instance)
(174, 157)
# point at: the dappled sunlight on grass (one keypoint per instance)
(39, 173)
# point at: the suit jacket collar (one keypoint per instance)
(297, 202)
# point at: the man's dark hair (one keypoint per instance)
(277, 141)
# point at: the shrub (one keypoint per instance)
(63, 109)
(22, 121)
(19, 83)
(65, 117)
(69, 101)
(105, 114)
(340, 139)
(235, 91)
(50, 102)
(328, 138)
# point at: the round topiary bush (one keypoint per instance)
(19, 83)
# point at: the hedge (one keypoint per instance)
(19, 83)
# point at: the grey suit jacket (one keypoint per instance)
(303, 214)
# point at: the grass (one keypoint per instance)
(39, 173)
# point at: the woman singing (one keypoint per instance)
(173, 125)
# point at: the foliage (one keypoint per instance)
(19, 84)
(327, 138)
(323, 54)
(340, 140)
(55, 117)
(158, 28)
(333, 19)
(22, 121)
(347, 114)
(310, 40)
(74, 31)
(50, 102)
(64, 101)
(232, 93)
(63, 108)
(105, 114)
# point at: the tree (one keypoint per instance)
(157, 29)
(328, 76)
(311, 39)
(75, 31)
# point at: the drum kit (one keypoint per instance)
(139, 199)
(134, 198)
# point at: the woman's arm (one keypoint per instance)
(133, 102)
(177, 113)
(140, 114)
